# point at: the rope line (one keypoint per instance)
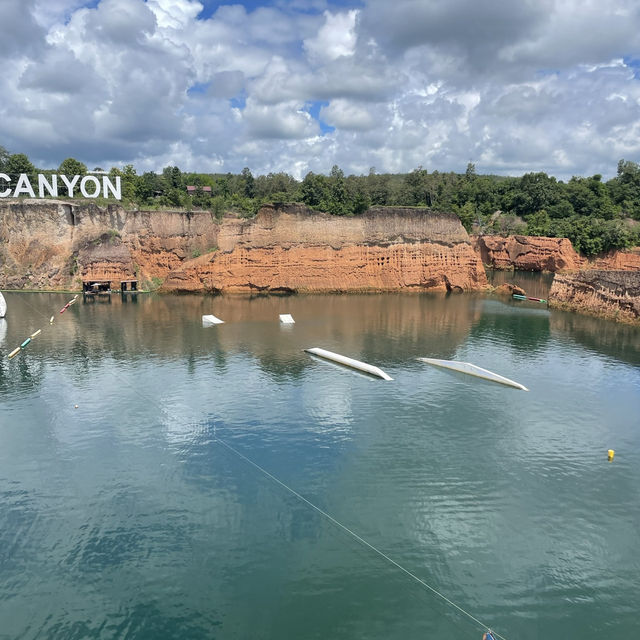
(360, 539)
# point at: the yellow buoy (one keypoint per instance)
(15, 352)
(37, 333)
(51, 320)
(610, 455)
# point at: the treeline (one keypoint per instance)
(595, 215)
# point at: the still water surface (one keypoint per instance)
(125, 518)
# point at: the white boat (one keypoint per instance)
(3, 306)
(473, 370)
(207, 321)
(349, 362)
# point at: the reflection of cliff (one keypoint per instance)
(620, 341)
(611, 294)
(388, 329)
(54, 244)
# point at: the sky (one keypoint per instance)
(301, 85)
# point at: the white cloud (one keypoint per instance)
(336, 37)
(545, 85)
(347, 115)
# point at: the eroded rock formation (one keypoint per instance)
(291, 248)
(611, 294)
(537, 253)
(52, 244)
(57, 244)
(528, 253)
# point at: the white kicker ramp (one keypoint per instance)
(349, 362)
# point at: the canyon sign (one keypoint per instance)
(89, 186)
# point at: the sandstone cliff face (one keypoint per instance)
(611, 294)
(528, 253)
(51, 244)
(291, 248)
(533, 253)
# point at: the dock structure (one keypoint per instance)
(349, 362)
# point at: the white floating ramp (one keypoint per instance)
(473, 370)
(349, 362)
(287, 318)
(207, 321)
(3, 306)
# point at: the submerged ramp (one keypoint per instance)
(473, 370)
(349, 362)
(207, 321)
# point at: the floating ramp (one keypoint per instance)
(349, 362)
(207, 321)
(473, 370)
(287, 318)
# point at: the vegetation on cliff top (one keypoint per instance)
(595, 215)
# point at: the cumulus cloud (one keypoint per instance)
(513, 86)
(336, 37)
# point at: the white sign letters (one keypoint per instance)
(90, 186)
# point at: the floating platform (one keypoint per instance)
(207, 321)
(473, 370)
(287, 318)
(349, 362)
(3, 306)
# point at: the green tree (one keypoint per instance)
(72, 167)
(249, 183)
(539, 224)
(314, 190)
(18, 163)
(4, 158)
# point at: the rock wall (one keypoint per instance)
(54, 244)
(527, 253)
(611, 294)
(537, 253)
(291, 248)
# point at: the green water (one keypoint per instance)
(126, 518)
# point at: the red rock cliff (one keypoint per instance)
(537, 253)
(292, 248)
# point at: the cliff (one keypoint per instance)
(57, 244)
(54, 244)
(610, 294)
(536, 253)
(292, 248)
(527, 253)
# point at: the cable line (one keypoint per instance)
(360, 539)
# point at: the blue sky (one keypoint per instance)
(301, 85)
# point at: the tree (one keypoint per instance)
(314, 190)
(72, 167)
(18, 163)
(249, 183)
(4, 158)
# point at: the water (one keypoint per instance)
(125, 518)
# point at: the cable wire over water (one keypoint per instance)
(353, 534)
